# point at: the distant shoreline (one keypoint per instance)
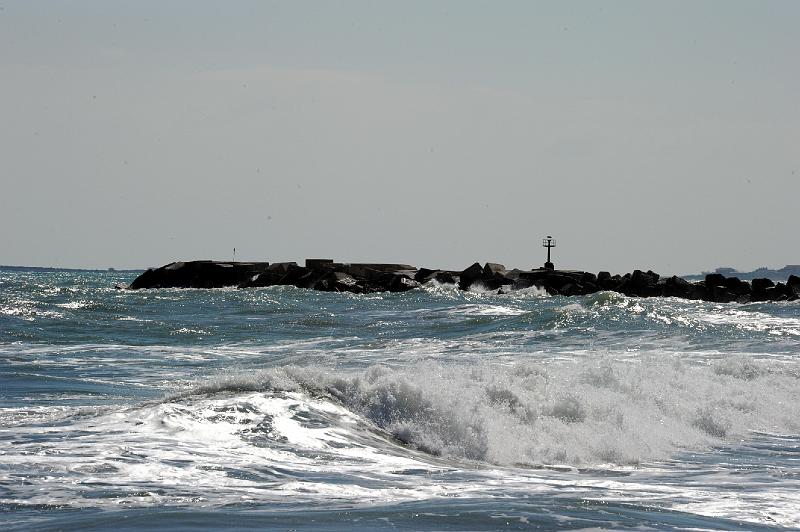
(781, 274)
(58, 269)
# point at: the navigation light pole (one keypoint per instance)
(549, 243)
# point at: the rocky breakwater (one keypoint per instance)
(330, 276)
(317, 274)
(361, 278)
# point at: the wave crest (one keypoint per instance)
(540, 413)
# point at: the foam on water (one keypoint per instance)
(474, 309)
(216, 449)
(388, 435)
(558, 413)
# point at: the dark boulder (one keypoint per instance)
(402, 283)
(775, 293)
(424, 275)
(492, 268)
(216, 275)
(677, 287)
(536, 275)
(783, 289)
(575, 275)
(639, 283)
(609, 282)
(469, 276)
(512, 274)
(488, 284)
(148, 279)
(571, 289)
(344, 282)
(368, 274)
(374, 270)
(737, 286)
(762, 290)
(549, 289)
(719, 294)
(263, 279)
(759, 285)
(494, 276)
(323, 285)
(590, 288)
(714, 279)
(794, 286)
(338, 282)
(319, 264)
(294, 274)
(271, 276)
(280, 266)
(376, 281)
(308, 280)
(698, 291)
(445, 277)
(521, 283)
(199, 274)
(558, 281)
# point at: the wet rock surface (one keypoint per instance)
(199, 274)
(363, 278)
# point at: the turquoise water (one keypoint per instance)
(433, 409)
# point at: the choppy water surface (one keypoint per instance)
(433, 409)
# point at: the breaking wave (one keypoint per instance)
(613, 412)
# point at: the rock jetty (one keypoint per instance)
(364, 278)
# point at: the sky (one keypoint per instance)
(651, 135)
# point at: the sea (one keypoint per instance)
(435, 409)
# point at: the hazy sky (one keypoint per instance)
(640, 134)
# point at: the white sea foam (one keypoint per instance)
(524, 293)
(28, 311)
(521, 293)
(321, 435)
(75, 304)
(131, 318)
(190, 330)
(549, 413)
(214, 449)
(697, 315)
(747, 320)
(484, 310)
(443, 290)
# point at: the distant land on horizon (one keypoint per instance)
(763, 272)
(60, 269)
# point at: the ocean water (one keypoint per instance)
(435, 409)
